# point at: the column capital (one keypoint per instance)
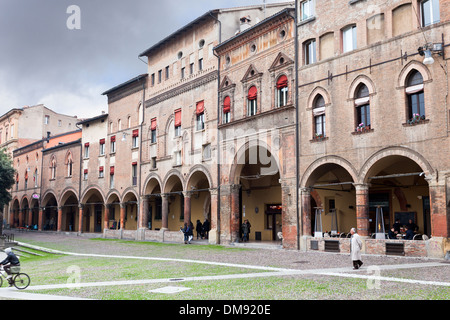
(188, 194)
(306, 190)
(361, 186)
(214, 191)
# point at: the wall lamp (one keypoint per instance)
(428, 49)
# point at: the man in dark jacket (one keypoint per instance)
(10, 264)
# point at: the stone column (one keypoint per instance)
(440, 219)
(21, 213)
(165, 212)
(305, 197)
(41, 219)
(362, 209)
(214, 223)
(187, 206)
(122, 216)
(143, 217)
(59, 224)
(106, 218)
(80, 218)
(235, 213)
(30, 216)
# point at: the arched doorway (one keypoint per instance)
(70, 209)
(130, 210)
(398, 185)
(14, 218)
(24, 213)
(198, 201)
(258, 192)
(50, 212)
(152, 212)
(173, 203)
(92, 212)
(328, 190)
(113, 208)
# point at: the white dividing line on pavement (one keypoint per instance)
(369, 277)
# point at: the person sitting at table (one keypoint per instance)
(392, 234)
(409, 233)
(397, 226)
(411, 225)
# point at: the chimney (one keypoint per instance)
(245, 23)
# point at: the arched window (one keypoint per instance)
(319, 116)
(362, 104)
(53, 169)
(69, 162)
(35, 178)
(252, 101)
(415, 96)
(26, 179)
(282, 91)
(226, 117)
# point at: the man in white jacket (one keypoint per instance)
(356, 246)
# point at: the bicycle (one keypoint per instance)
(20, 280)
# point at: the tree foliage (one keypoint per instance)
(7, 173)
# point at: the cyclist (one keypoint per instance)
(11, 265)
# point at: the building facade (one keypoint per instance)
(374, 125)
(305, 118)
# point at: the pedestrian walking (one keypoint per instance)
(356, 246)
(206, 229)
(199, 229)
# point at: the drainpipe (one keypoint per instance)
(297, 133)
(218, 133)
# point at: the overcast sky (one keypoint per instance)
(42, 61)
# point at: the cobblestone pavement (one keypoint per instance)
(424, 271)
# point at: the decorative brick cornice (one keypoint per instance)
(191, 85)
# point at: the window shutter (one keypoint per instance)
(200, 107)
(177, 118)
(252, 93)
(282, 82)
(227, 105)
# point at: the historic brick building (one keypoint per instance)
(257, 131)
(374, 118)
(305, 118)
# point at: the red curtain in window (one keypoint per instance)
(200, 107)
(153, 124)
(178, 118)
(113, 139)
(282, 82)
(135, 133)
(111, 171)
(101, 169)
(85, 171)
(227, 105)
(134, 164)
(252, 93)
(86, 144)
(102, 141)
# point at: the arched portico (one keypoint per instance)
(173, 202)
(91, 214)
(151, 209)
(328, 188)
(49, 221)
(69, 211)
(257, 196)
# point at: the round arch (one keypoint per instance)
(151, 182)
(318, 90)
(170, 180)
(66, 194)
(311, 173)
(91, 190)
(370, 165)
(195, 171)
(248, 149)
